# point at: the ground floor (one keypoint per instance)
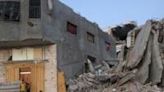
(34, 66)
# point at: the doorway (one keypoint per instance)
(25, 77)
(31, 74)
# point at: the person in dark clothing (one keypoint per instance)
(28, 87)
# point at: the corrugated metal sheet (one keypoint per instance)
(10, 87)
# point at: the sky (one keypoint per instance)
(108, 13)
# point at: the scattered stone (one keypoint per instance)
(140, 67)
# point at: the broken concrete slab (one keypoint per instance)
(91, 67)
(145, 57)
(156, 67)
(121, 60)
(106, 65)
(137, 52)
(143, 70)
(126, 78)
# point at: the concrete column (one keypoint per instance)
(51, 69)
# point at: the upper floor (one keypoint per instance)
(21, 23)
(41, 22)
(28, 23)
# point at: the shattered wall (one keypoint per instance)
(140, 67)
(107, 54)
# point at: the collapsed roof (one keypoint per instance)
(121, 31)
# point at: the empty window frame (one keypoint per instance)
(90, 37)
(10, 10)
(34, 8)
(107, 45)
(71, 28)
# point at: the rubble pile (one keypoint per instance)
(134, 86)
(90, 82)
(140, 68)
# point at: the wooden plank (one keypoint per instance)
(40, 77)
(33, 75)
(10, 73)
(38, 53)
(37, 74)
(16, 72)
(61, 82)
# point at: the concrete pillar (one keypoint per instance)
(51, 69)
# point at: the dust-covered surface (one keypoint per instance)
(140, 68)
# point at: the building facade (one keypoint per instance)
(44, 36)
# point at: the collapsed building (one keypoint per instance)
(140, 68)
(40, 37)
(120, 34)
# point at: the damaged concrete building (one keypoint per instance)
(40, 37)
(122, 33)
(141, 63)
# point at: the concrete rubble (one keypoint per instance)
(140, 67)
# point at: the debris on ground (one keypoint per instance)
(140, 68)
